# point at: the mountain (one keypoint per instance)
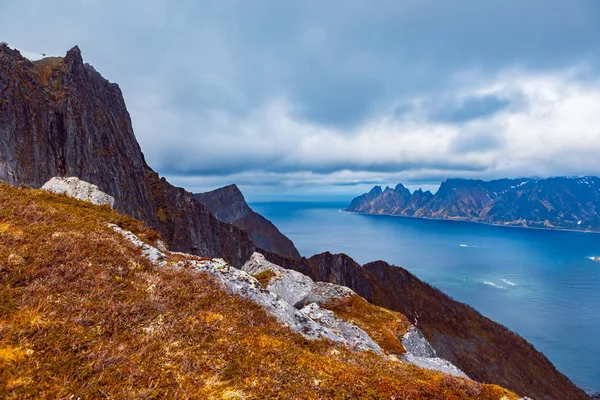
(59, 117)
(561, 202)
(485, 350)
(90, 309)
(228, 205)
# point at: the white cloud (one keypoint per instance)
(550, 127)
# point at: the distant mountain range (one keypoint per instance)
(562, 202)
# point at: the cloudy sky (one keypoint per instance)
(324, 99)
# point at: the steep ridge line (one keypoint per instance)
(59, 117)
(228, 205)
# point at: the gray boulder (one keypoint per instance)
(359, 339)
(78, 189)
(290, 285)
(419, 352)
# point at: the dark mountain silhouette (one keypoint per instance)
(562, 202)
(228, 205)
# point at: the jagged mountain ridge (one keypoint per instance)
(59, 117)
(560, 202)
(228, 205)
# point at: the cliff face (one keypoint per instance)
(228, 205)
(59, 117)
(485, 350)
(572, 203)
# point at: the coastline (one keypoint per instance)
(556, 229)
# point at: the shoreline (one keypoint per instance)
(557, 229)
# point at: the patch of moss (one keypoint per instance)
(265, 277)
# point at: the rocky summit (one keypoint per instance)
(562, 202)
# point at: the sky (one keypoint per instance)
(324, 99)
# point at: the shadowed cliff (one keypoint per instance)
(59, 117)
(228, 205)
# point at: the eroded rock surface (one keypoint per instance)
(78, 189)
(60, 117)
(420, 353)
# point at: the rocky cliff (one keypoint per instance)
(59, 117)
(562, 202)
(228, 205)
(485, 350)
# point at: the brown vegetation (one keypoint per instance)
(385, 327)
(82, 313)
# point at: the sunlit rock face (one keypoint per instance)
(78, 189)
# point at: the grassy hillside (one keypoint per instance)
(83, 313)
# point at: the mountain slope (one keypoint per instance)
(83, 314)
(485, 350)
(59, 117)
(562, 202)
(228, 205)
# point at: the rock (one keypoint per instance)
(324, 325)
(151, 253)
(290, 285)
(78, 189)
(355, 336)
(419, 352)
(295, 287)
(324, 292)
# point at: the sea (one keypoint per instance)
(539, 283)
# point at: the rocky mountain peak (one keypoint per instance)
(73, 60)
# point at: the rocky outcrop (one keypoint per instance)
(298, 289)
(564, 202)
(484, 350)
(420, 352)
(59, 117)
(228, 205)
(310, 321)
(78, 189)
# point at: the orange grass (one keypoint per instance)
(83, 314)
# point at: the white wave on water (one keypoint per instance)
(463, 245)
(508, 282)
(492, 284)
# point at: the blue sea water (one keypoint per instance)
(539, 283)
